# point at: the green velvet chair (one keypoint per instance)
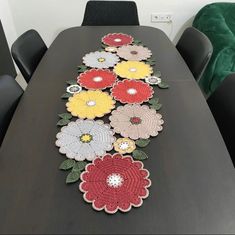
(217, 22)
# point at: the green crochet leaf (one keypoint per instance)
(66, 95)
(73, 177)
(104, 46)
(151, 61)
(153, 101)
(158, 74)
(66, 116)
(67, 164)
(71, 82)
(163, 85)
(79, 166)
(156, 106)
(139, 155)
(63, 122)
(137, 42)
(82, 68)
(142, 142)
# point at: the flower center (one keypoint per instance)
(135, 120)
(124, 145)
(131, 91)
(115, 180)
(155, 80)
(134, 52)
(97, 79)
(132, 69)
(101, 59)
(91, 103)
(86, 138)
(74, 89)
(117, 40)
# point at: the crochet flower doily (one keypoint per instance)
(124, 145)
(135, 53)
(132, 91)
(153, 80)
(117, 39)
(85, 139)
(133, 69)
(100, 60)
(114, 183)
(97, 79)
(90, 104)
(73, 89)
(136, 121)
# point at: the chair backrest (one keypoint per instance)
(10, 93)
(222, 105)
(196, 50)
(27, 51)
(110, 13)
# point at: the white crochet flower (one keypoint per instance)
(74, 89)
(100, 60)
(85, 139)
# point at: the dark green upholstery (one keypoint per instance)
(217, 21)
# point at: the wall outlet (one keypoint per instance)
(165, 17)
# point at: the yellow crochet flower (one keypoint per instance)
(124, 145)
(90, 104)
(133, 70)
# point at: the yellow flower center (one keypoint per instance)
(101, 59)
(86, 138)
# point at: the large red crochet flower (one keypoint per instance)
(117, 39)
(132, 91)
(97, 79)
(115, 183)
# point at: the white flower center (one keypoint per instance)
(132, 69)
(91, 103)
(132, 91)
(115, 180)
(124, 146)
(97, 79)
(117, 40)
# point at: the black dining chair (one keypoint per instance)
(196, 50)
(98, 13)
(10, 93)
(222, 105)
(27, 51)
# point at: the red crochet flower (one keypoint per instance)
(117, 39)
(132, 91)
(97, 79)
(115, 183)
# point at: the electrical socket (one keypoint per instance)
(164, 17)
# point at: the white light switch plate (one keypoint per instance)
(162, 17)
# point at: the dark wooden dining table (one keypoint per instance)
(193, 179)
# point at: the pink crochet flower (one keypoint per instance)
(136, 53)
(136, 121)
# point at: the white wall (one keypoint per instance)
(50, 17)
(7, 21)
